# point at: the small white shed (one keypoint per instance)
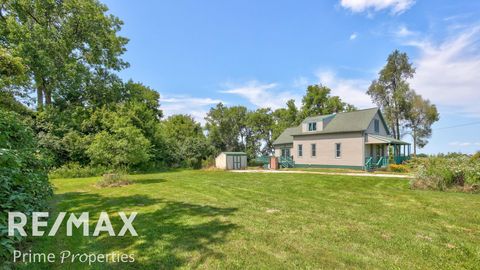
(231, 161)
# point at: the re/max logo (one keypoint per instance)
(103, 224)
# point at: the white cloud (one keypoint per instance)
(352, 91)
(403, 31)
(261, 95)
(353, 36)
(395, 6)
(447, 72)
(196, 107)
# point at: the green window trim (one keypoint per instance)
(314, 150)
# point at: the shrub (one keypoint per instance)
(75, 170)
(113, 180)
(399, 168)
(476, 156)
(123, 148)
(24, 185)
(255, 163)
(441, 173)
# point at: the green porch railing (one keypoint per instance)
(401, 159)
(286, 162)
(368, 163)
(382, 162)
(265, 160)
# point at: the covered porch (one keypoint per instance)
(378, 150)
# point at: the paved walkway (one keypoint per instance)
(326, 173)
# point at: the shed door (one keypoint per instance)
(237, 162)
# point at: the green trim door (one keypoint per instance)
(286, 152)
(237, 162)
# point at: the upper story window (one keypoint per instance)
(312, 126)
(300, 150)
(376, 125)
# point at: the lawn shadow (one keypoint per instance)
(171, 234)
(148, 181)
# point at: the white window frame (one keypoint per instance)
(313, 126)
(300, 150)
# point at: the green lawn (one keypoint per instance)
(212, 220)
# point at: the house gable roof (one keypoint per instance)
(341, 122)
(286, 136)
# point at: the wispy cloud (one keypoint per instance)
(395, 6)
(447, 72)
(353, 36)
(403, 32)
(352, 91)
(262, 95)
(196, 107)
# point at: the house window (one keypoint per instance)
(376, 125)
(285, 152)
(338, 150)
(314, 150)
(300, 150)
(312, 126)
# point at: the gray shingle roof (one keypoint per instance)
(340, 122)
(286, 136)
(317, 118)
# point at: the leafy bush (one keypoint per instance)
(399, 168)
(113, 180)
(255, 163)
(75, 170)
(440, 173)
(476, 156)
(24, 185)
(123, 148)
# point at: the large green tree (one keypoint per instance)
(226, 127)
(187, 140)
(420, 116)
(319, 101)
(260, 125)
(391, 89)
(63, 43)
(284, 118)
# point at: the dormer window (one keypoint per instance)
(312, 126)
(376, 124)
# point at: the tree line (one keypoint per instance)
(66, 54)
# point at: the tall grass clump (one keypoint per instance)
(75, 170)
(448, 173)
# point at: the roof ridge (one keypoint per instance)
(373, 108)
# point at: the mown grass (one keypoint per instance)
(222, 220)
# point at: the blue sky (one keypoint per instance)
(262, 53)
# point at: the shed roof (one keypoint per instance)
(234, 153)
